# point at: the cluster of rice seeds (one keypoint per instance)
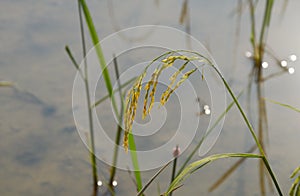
(134, 93)
(166, 95)
(171, 59)
(152, 83)
(131, 106)
(173, 79)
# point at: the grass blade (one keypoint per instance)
(96, 43)
(76, 65)
(107, 80)
(265, 25)
(199, 164)
(88, 100)
(119, 129)
(294, 190)
(135, 164)
(283, 104)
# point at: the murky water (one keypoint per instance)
(41, 152)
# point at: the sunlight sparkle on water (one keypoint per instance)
(248, 54)
(265, 65)
(283, 63)
(293, 57)
(114, 183)
(99, 183)
(291, 70)
(207, 112)
(205, 107)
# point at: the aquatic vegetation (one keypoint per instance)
(130, 103)
(295, 188)
(85, 78)
(258, 55)
(130, 112)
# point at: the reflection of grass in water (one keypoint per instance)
(295, 188)
(256, 76)
(29, 97)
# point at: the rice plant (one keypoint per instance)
(167, 60)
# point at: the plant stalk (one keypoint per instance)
(90, 116)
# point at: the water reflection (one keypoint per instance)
(293, 57)
(283, 63)
(265, 65)
(291, 70)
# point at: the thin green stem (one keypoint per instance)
(100, 55)
(265, 25)
(74, 62)
(135, 164)
(152, 179)
(173, 172)
(253, 31)
(119, 130)
(90, 116)
(103, 65)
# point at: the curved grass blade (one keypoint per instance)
(283, 104)
(294, 190)
(193, 167)
(266, 162)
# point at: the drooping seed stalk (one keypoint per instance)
(254, 136)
